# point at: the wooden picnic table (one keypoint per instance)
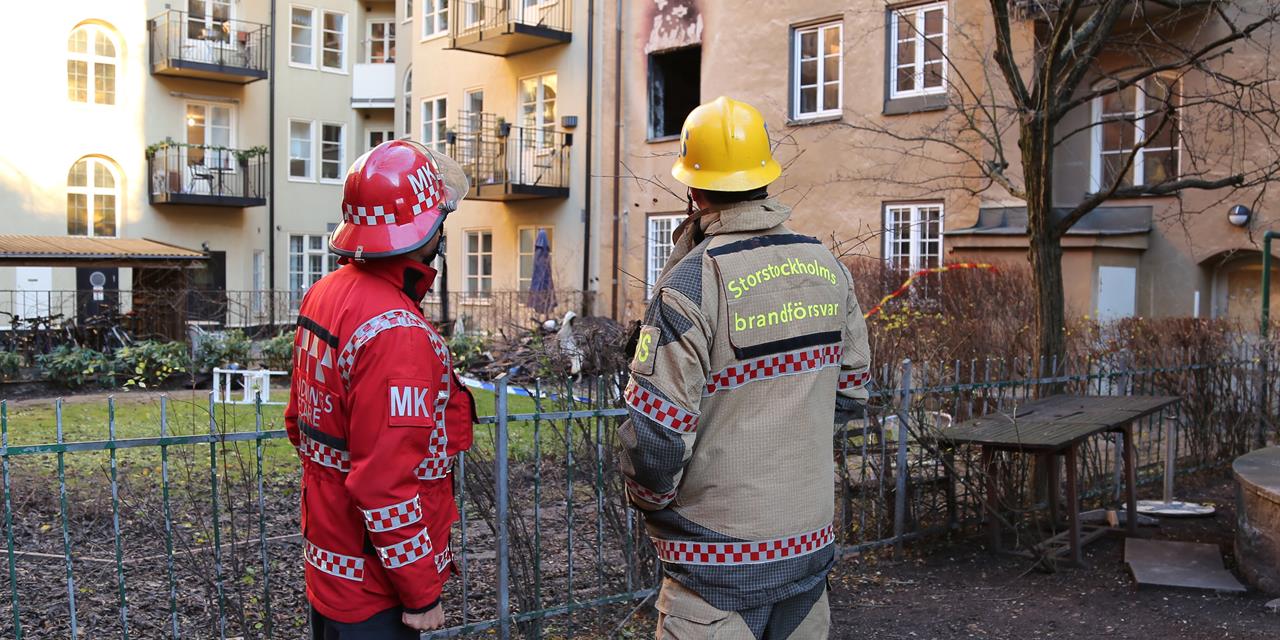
(1051, 427)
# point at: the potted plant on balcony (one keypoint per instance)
(503, 127)
(451, 136)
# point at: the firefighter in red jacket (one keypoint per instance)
(376, 411)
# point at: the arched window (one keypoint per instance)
(408, 102)
(93, 197)
(92, 56)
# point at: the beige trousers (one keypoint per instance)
(684, 615)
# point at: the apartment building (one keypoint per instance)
(503, 86)
(824, 72)
(209, 125)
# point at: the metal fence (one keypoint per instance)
(207, 175)
(180, 523)
(521, 160)
(209, 39)
(479, 16)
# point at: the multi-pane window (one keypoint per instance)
(1123, 120)
(309, 260)
(434, 114)
(408, 9)
(658, 245)
(435, 18)
(205, 20)
(379, 136)
(91, 65)
(381, 42)
(479, 263)
(92, 197)
(538, 108)
(211, 133)
(333, 42)
(302, 36)
(917, 50)
(301, 143)
(408, 103)
(913, 235)
(333, 150)
(818, 72)
(528, 243)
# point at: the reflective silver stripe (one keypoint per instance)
(638, 490)
(394, 516)
(854, 378)
(369, 330)
(334, 564)
(659, 410)
(407, 552)
(434, 468)
(324, 455)
(774, 366)
(730, 553)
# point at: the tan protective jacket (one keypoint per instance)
(752, 344)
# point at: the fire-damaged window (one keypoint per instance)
(675, 81)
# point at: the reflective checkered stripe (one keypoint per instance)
(369, 330)
(855, 378)
(729, 553)
(407, 552)
(427, 199)
(443, 559)
(434, 468)
(659, 410)
(648, 496)
(324, 455)
(334, 564)
(775, 366)
(394, 516)
(438, 442)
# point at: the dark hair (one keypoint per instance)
(730, 197)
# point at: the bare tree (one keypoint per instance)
(1178, 95)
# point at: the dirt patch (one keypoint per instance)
(956, 589)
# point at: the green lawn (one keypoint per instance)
(137, 415)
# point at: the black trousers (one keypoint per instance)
(382, 626)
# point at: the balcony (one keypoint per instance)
(373, 86)
(194, 46)
(511, 163)
(205, 175)
(508, 27)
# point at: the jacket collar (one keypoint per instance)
(410, 276)
(738, 217)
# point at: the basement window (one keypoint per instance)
(675, 82)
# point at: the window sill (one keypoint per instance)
(670, 138)
(434, 36)
(302, 180)
(299, 65)
(339, 71)
(331, 181)
(805, 122)
(1177, 195)
(915, 104)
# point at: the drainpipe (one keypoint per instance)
(586, 228)
(1260, 436)
(617, 153)
(271, 167)
(1266, 281)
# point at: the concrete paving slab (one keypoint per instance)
(1190, 565)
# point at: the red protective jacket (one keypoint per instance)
(377, 416)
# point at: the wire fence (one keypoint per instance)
(182, 520)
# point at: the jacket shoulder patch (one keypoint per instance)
(646, 350)
(410, 403)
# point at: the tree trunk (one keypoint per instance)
(1044, 252)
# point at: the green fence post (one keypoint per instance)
(115, 518)
(217, 517)
(8, 516)
(66, 532)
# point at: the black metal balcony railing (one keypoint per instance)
(181, 174)
(511, 163)
(197, 46)
(508, 27)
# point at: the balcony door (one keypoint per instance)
(209, 158)
(532, 151)
(209, 21)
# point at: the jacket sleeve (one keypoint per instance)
(855, 364)
(395, 384)
(668, 376)
(291, 409)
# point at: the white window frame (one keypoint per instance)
(1140, 114)
(209, 23)
(820, 31)
(429, 132)
(540, 128)
(342, 152)
(328, 264)
(408, 10)
(91, 60)
(535, 228)
(311, 151)
(434, 12)
(387, 134)
(408, 103)
(918, 36)
(89, 190)
(388, 41)
(652, 268)
(342, 41)
(311, 46)
(477, 278)
(917, 226)
(229, 165)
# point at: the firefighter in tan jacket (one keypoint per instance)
(752, 347)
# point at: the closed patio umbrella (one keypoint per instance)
(542, 294)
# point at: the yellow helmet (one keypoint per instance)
(724, 146)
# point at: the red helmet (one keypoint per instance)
(395, 199)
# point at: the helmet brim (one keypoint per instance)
(744, 180)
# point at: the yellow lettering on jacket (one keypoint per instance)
(794, 267)
(790, 312)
